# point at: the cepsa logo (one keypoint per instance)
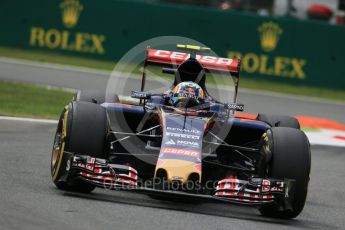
(67, 40)
(266, 64)
(178, 56)
(183, 152)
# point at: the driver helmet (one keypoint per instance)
(187, 94)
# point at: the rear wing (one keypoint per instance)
(211, 63)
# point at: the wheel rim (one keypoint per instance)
(59, 145)
(56, 147)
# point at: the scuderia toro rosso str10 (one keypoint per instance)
(184, 142)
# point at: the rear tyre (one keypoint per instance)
(94, 96)
(279, 120)
(82, 130)
(291, 159)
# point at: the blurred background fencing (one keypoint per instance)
(331, 11)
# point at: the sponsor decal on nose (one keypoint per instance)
(182, 152)
(182, 135)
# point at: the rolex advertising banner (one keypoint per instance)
(277, 49)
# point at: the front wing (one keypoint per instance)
(255, 191)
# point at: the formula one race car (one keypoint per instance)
(183, 143)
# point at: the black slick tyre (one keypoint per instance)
(82, 130)
(290, 159)
(94, 96)
(279, 120)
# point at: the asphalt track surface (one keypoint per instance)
(29, 200)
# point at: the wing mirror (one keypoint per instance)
(234, 106)
(141, 95)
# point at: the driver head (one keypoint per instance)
(187, 94)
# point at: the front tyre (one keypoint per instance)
(95, 96)
(291, 159)
(82, 130)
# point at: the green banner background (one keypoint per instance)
(306, 53)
